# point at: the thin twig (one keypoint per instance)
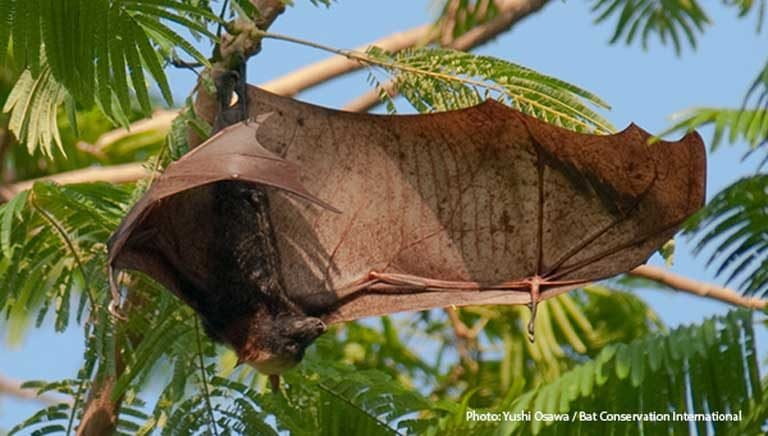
(365, 58)
(13, 388)
(59, 228)
(221, 17)
(510, 12)
(207, 391)
(320, 72)
(123, 173)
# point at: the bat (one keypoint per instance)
(303, 216)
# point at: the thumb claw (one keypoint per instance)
(115, 290)
(114, 311)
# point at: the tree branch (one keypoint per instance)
(685, 284)
(322, 71)
(510, 12)
(160, 122)
(13, 388)
(123, 173)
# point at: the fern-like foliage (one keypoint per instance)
(669, 20)
(91, 51)
(675, 21)
(318, 394)
(757, 95)
(53, 251)
(712, 367)
(747, 7)
(434, 79)
(457, 17)
(748, 125)
(735, 226)
(34, 104)
(318, 399)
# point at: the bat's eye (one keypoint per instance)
(293, 348)
(305, 326)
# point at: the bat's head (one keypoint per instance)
(279, 343)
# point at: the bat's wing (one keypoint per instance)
(465, 207)
(231, 154)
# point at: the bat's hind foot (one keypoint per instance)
(535, 284)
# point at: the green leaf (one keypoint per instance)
(440, 79)
(734, 223)
(133, 61)
(8, 213)
(744, 124)
(117, 60)
(169, 36)
(661, 18)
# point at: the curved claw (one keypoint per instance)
(114, 311)
(115, 303)
(535, 282)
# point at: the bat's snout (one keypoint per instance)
(310, 325)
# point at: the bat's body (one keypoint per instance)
(222, 252)
(479, 206)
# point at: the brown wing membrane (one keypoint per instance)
(457, 208)
(171, 205)
(484, 198)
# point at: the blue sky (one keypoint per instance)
(644, 87)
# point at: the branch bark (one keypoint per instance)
(101, 410)
(327, 69)
(160, 122)
(123, 173)
(510, 13)
(708, 290)
(13, 388)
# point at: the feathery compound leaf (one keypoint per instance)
(700, 375)
(41, 421)
(53, 239)
(166, 35)
(667, 19)
(135, 68)
(87, 45)
(459, 16)
(735, 225)
(337, 399)
(734, 124)
(117, 60)
(6, 21)
(747, 6)
(8, 213)
(152, 62)
(33, 104)
(438, 79)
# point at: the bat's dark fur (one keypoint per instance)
(245, 303)
(242, 301)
